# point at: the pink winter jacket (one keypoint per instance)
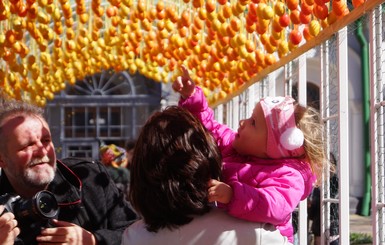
(264, 190)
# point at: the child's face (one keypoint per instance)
(252, 135)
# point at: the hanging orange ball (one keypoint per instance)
(306, 33)
(357, 3)
(295, 37)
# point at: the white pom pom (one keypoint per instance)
(292, 139)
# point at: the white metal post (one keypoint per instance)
(219, 113)
(302, 99)
(343, 135)
(377, 104)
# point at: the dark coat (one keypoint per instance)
(87, 197)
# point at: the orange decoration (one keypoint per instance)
(111, 11)
(198, 3)
(185, 18)
(292, 4)
(276, 25)
(202, 14)
(284, 20)
(277, 35)
(249, 20)
(305, 19)
(270, 59)
(294, 17)
(279, 8)
(10, 38)
(160, 15)
(230, 32)
(283, 48)
(267, 12)
(306, 9)
(227, 11)
(235, 24)
(339, 7)
(321, 11)
(260, 29)
(21, 9)
(260, 9)
(314, 28)
(32, 10)
(141, 6)
(253, 9)
(324, 23)
(357, 3)
(226, 43)
(273, 41)
(295, 37)
(183, 31)
(210, 6)
(306, 33)
(160, 6)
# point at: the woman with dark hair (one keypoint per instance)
(174, 159)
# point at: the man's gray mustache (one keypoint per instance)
(40, 160)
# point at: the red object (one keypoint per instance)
(295, 37)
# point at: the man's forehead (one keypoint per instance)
(12, 122)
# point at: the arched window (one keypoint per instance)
(108, 106)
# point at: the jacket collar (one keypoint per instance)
(66, 186)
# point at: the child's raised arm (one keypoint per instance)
(184, 84)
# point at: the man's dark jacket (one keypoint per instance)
(87, 197)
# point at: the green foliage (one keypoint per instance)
(360, 238)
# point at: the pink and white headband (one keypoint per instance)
(284, 139)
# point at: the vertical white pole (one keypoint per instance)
(377, 108)
(219, 113)
(235, 115)
(302, 99)
(325, 113)
(272, 83)
(373, 126)
(343, 135)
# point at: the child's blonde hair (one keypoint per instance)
(309, 121)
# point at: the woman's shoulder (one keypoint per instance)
(215, 227)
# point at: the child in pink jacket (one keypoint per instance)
(270, 164)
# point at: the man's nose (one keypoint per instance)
(40, 149)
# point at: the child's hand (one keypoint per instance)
(183, 84)
(219, 191)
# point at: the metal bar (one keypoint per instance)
(302, 96)
(343, 135)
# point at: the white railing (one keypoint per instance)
(336, 84)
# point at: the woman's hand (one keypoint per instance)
(65, 233)
(219, 191)
(183, 84)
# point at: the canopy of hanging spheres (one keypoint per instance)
(46, 45)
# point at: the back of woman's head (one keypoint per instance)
(174, 158)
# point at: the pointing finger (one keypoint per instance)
(185, 71)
